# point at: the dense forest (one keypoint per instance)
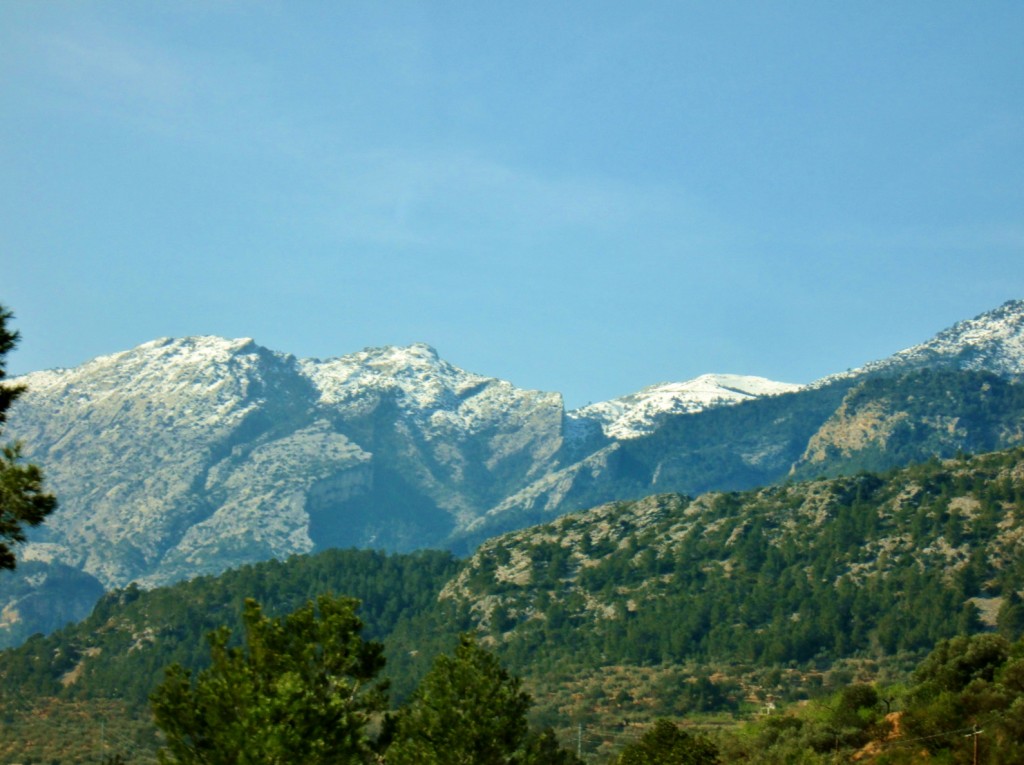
(122, 648)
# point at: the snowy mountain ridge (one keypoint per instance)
(640, 413)
(187, 456)
(992, 341)
(432, 391)
(424, 386)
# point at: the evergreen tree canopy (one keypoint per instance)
(968, 687)
(22, 500)
(468, 710)
(300, 690)
(666, 744)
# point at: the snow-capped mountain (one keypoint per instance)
(992, 341)
(133, 442)
(188, 456)
(441, 398)
(639, 414)
(184, 456)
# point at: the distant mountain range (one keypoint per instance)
(189, 456)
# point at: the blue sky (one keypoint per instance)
(582, 197)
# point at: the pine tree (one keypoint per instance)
(1011, 616)
(22, 499)
(302, 689)
(666, 744)
(468, 710)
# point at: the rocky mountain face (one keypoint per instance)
(42, 597)
(960, 391)
(888, 421)
(189, 456)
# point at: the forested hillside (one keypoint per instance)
(871, 564)
(121, 649)
(666, 605)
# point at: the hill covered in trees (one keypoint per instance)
(871, 564)
(662, 606)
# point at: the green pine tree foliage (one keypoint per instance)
(121, 649)
(666, 744)
(967, 687)
(1011, 616)
(302, 689)
(23, 503)
(469, 710)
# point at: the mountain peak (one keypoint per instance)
(161, 364)
(199, 342)
(992, 341)
(640, 413)
(399, 356)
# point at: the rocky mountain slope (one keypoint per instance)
(869, 563)
(959, 391)
(189, 456)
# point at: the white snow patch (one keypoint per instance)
(641, 413)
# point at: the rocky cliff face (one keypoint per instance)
(188, 456)
(888, 421)
(130, 442)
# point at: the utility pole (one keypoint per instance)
(974, 734)
(579, 740)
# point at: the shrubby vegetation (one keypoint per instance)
(304, 688)
(666, 744)
(967, 687)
